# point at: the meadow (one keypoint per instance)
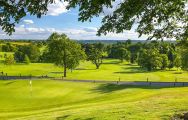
(111, 69)
(58, 100)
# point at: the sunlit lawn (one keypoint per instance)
(57, 100)
(110, 70)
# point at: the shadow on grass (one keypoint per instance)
(107, 88)
(135, 69)
(62, 117)
(57, 72)
(113, 62)
(66, 117)
(8, 83)
(84, 69)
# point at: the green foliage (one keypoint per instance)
(178, 62)
(147, 14)
(8, 47)
(16, 10)
(64, 52)
(96, 54)
(31, 50)
(9, 60)
(123, 54)
(165, 61)
(183, 48)
(150, 59)
(185, 59)
(26, 60)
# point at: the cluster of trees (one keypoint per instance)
(62, 51)
(151, 55)
(25, 53)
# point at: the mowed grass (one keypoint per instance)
(57, 100)
(111, 70)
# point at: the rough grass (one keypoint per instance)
(59, 100)
(110, 70)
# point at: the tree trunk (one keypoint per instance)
(97, 66)
(65, 65)
(65, 71)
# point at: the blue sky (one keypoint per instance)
(58, 19)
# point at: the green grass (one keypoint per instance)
(57, 100)
(110, 70)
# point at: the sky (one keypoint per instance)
(61, 20)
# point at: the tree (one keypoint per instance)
(64, 52)
(26, 59)
(97, 54)
(32, 51)
(123, 54)
(134, 50)
(185, 59)
(158, 18)
(8, 47)
(183, 49)
(150, 59)
(177, 62)
(9, 60)
(165, 61)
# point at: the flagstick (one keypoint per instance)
(31, 90)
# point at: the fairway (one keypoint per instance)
(57, 100)
(111, 69)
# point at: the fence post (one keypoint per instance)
(6, 76)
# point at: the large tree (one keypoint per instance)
(64, 52)
(150, 59)
(157, 18)
(97, 54)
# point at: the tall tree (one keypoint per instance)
(150, 59)
(97, 54)
(123, 54)
(64, 52)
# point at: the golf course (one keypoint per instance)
(112, 69)
(49, 99)
(58, 100)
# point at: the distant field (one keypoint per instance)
(56, 100)
(17, 43)
(110, 70)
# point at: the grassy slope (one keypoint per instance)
(110, 70)
(85, 101)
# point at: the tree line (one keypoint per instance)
(60, 50)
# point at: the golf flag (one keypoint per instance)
(30, 82)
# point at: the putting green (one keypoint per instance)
(59, 100)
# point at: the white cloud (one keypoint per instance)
(28, 21)
(85, 33)
(57, 8)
